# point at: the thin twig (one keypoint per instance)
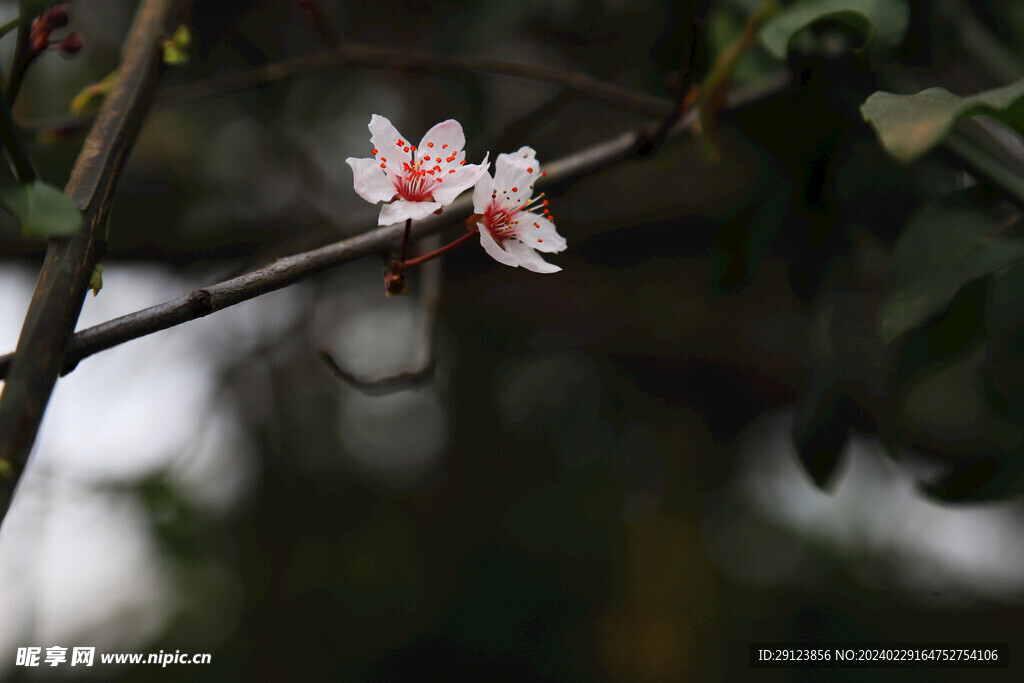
(355, 54)
(695, 62)
(64, 279)
(22, 57)
(318, 21)
(428, 294)
(21, 161)
(292, 269)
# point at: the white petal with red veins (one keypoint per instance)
(540, 233)
(528, 258)
(494, 249)
(482, 193)
(371, 182)
(401, 210)
(454, 184)
(444, 140)
(389, 144)
(519, 171)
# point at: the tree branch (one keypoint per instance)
(292, 269)
(355, 54)
(64, 278)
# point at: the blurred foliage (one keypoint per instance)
(882, 23)
(911, 125)
(41, 209)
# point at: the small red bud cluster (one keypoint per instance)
(52, 19)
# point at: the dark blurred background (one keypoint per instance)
(599, 481)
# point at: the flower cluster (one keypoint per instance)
(415, 181)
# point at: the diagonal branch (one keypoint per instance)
(291, 269)
(69, 263)
(356, 54)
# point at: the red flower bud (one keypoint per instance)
(38, 40)
(71, 45)
(56, 16)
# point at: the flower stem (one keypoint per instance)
(412, 263)
(405, 241)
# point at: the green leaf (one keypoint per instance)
(947, 245)
(1004, 325)
(96, 279)
(42, 210)
(176, 48)
(910, 125)
(883, 23)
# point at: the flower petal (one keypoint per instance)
(528, 258)
(445, 139)
(492, 248)
(451, 185)
(519, 171)
(372, 183)
(482, 193)
(389, 143)
(401, 210)
(539, 233)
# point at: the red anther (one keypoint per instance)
(462, 162)
(71, 45)
(515, 189)
(406, 149)
(543, 173)
(383, 165)
(529, 169)
(400, 143)
(444, 146)
(540, 240)
(451, 170)
(375, 150)
(430, 144)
